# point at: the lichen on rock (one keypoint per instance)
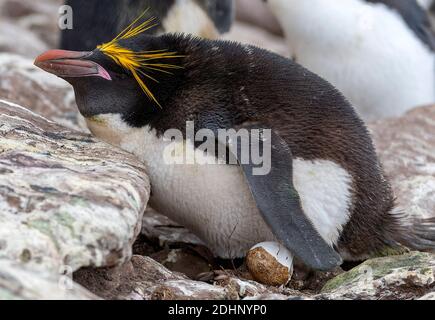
(408, 276)
(65, 198)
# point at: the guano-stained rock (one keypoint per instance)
(23, 83)
(158, 227)
(145, 279)
(65, 198)
(29, 26)
(406, 147)
(405, 277)
(18, 282)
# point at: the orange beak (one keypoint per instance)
(70, 64)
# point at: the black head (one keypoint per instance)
(132, 76)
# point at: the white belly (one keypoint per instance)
(215, 203)
(366, 51)
(378, 87)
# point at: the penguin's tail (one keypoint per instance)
(415, 233)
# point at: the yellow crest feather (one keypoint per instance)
(138, 63)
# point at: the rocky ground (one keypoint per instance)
(74, 222)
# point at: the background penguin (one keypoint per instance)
(426, 4)
(99, 21)
(378, 53)
(326, 191)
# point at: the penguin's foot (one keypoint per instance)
(306, 279)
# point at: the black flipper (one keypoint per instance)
(279, 203)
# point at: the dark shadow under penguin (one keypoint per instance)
(99, 21)
(326, 194)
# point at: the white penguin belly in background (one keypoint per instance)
(229, 221)
(366, 50)
(187, 16)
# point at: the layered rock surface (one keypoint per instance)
(28, 27)
(67, 200)
(410, 276)
(406, 147)
(45, 94)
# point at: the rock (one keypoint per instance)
(16, 39)
(184, 261)
(405, 277)
(19, 282)
(268, 297)
(241, 288)
(187, 290)
(21, 82)
(29, 26)
(145, 279)
(166, 232)
(17, 9)
(65, 198)
(429, 296)
(406, 147)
